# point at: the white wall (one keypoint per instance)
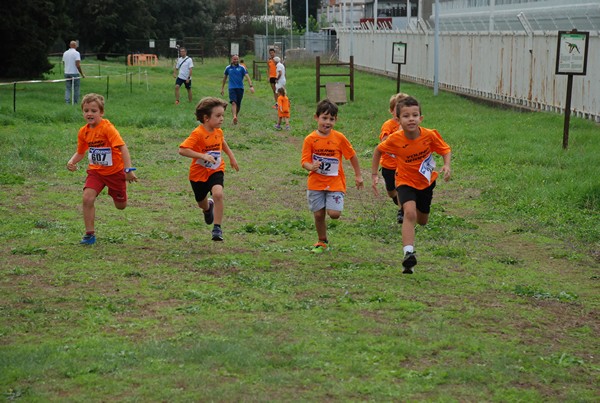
(510, 67)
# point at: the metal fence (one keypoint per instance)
(513, 68)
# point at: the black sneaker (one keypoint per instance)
(209, 217)
(400, 216)
(217, 234)
(410, 260)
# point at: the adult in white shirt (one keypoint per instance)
(184, 65)
(72, 62)
(280, 69)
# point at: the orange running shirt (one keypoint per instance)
(389, 126)
(272, 66)
(329, 150)
(204, 142)
(283, 106)
(102, 143)
(414, 157)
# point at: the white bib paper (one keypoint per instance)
(100, 156)
(427, 167)
(328, 166)
(216, 155)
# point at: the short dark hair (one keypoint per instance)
(326, 106)
(408, 101)
(206, 105)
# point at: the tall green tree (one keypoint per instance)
(104, 26)
(28, 29)
(299, 11)
(182, 18)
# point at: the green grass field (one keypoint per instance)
(504, 304)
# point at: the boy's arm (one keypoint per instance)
(72, 164)
(232, 160)
(357, 174)
(130, 176)
(375, 170)
(188, 152)
(446, 168)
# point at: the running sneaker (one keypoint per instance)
(319, 247)
(287, 127)
(410, 260)
(217, 234)
(277, 127)
(88, 239)
(400, 216)
(209, 217)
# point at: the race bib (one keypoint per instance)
(427, 167)
(216, 155)
(100, 156)
(327, 166)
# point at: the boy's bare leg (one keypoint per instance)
(89, 209)
(320, 224)
(410, 220)
(217, 196)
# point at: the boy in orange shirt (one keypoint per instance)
(272, 70)
(322, 154)
(388, 161)
(283, 109)
(415, 173)
(109, 162)
(205, 147)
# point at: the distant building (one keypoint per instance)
(463, 15)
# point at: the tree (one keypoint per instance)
(105, 26)
(28, 29)
(299, 11)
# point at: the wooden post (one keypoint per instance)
(352, 78)
(318, 78)
(567, 111)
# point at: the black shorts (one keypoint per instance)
(421, 197)
(201, 189)
(389, 176)
(273, 80)
(179, 81)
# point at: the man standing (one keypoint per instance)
(185, 65)
(72, 62)
(236, 74)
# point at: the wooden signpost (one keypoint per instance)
(399, 58)
(571, 59)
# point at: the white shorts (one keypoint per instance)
(324, 199)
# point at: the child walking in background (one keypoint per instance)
(205, 147)
(388, 161)
(415, 172)
(109, 162)
(322, 154)
(283, 109)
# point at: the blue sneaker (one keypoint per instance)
(208, 215)
(88, 239)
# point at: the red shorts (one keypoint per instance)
(116, 183)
